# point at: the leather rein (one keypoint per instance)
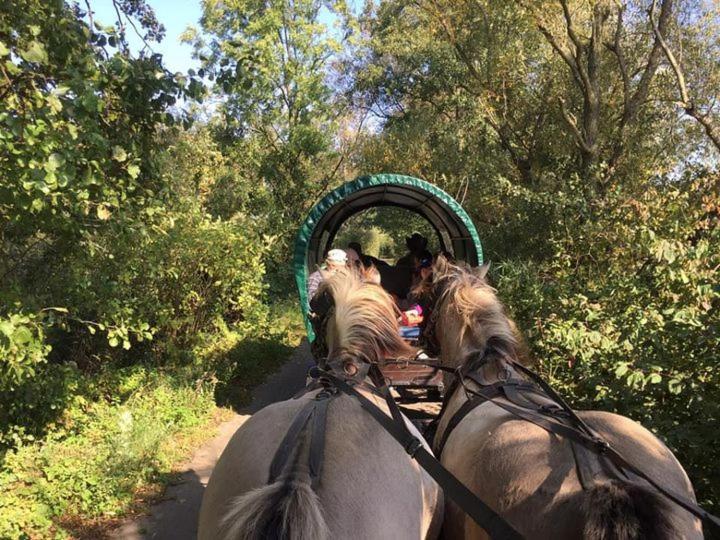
(348, 377)
(529, 398)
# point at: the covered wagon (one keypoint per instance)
(455, 232)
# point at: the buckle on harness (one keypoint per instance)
(326, 393)
(550, 409)
(412, 446)
(314, 372)
(601, 445)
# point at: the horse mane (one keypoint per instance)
(364, 319)
(465, 290)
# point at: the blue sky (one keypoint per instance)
(175, 15)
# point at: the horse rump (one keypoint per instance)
(288, 509)
(618, 510)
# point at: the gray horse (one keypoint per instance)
(369, 488)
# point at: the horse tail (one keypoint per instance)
(288, 509)
(619, 510)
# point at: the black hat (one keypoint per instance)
(416, 242)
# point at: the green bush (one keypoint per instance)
(171, 281)
(624, 316)
(22, 348)
(112, 438)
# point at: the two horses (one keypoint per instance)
(371, 489)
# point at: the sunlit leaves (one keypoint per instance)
(34, 52)
(640, 270)
(119, 154)
(22, 348)
(133, 170)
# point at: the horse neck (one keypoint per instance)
(493, 342)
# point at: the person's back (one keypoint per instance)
(335, 259)
(416, 244)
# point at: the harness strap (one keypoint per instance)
(555, 397)
(317, 437)
(591, 466)
(618, 458)
(581, 436)
(460, 415)
(481, 513)
(589, 439)
(313, 385)
(289, 442)
(521, 394)
(544, 422)
(379, 381)
(682, 501)
(315, 409)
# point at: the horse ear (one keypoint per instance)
(441, 265)
(482, 271)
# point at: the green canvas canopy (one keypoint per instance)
(455, 230)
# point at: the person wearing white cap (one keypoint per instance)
(334, 260)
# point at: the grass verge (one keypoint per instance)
(123, 431)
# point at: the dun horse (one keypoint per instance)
(524, 472)
(368, 487)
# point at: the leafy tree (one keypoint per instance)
(271, 61)
(78, 118)
(568, 79)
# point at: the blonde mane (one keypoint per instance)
(464, 293)
(364, 322)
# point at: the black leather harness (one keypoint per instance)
(525, 395)
(336, 380)
(522, 393)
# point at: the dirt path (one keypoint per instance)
(176, 516)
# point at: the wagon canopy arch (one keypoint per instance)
(455, 230)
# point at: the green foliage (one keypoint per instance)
(129, 239)
(22, 349)
(599, 205)
(382, 232)
(171, 282)
(272, 63)
(78, 146)
(624, 315)
(115, 435)
(66, 173)
(98, 438)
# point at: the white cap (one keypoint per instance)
(336, 256)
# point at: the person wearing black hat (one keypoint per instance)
(416, 244)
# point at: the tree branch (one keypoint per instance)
(569, 60)
(705, 120)
(680, 78)
(616, 49)
(579, 45)
(571, 121)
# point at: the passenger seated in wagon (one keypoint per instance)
(334, 260)
(414, 308)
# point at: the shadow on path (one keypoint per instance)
(176, 516)
(284, 383)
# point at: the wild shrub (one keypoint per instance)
(114, 435)
(624, 316)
